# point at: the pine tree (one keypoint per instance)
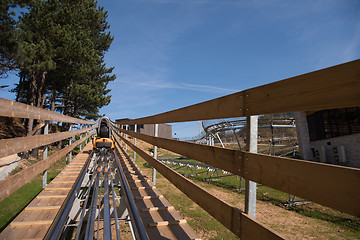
(7, 38)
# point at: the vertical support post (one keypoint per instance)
(156, 134)
(81, 127)
(126, 137)
(272, 137)
(135, 129)
(70, 142)
(45, 154)
(251, 146)
(121, 134)
(217, 134)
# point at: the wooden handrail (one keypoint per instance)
(333, 87)
(329, 185)
(19, 110)
(15, 145)
(14, 182)
(231, 217)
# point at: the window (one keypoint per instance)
(333, 123)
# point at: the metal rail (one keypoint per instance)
(107, 222)
(140, 232)
(57, 226)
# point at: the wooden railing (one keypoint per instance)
(329, 185)
(16, 145)
(333, 186)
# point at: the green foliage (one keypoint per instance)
(7, 37)
(61, 56)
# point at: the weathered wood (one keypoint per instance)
(227, 215)
(329, 185)
(12, 183)
(333, 87)
(19, 110)
(16, 145)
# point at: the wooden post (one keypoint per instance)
(156, 133)
(70, 142)
(135, 128)
(126, 136)
(45, 154)
(121, 134)
(251, 146)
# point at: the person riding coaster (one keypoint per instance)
(103, 137)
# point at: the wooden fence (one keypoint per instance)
(16, 145)
(329, 185)
(333, 186)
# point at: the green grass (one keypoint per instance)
(11, 206)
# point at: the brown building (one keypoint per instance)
(164, 130)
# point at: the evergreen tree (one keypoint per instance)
(7, 38)
(62, 46)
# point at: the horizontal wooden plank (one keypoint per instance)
(19, 110)
(51, 196)
(310, 180)
(157, 209)
(148, 197)
(167, 223)
(229, 216)
(12, 183)
(226, 159)
(329, 185)
(333, 87)
(15, 145)
(26, 223)
(40, 208)
(227, 106)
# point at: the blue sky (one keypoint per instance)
(172, 53)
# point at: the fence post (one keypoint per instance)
(121, 134)
(251, 146)
(45, 154)
(70, 142)
(126, 136)
(156, 133)
(135, 128)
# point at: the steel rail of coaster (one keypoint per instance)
(97, 176)
(212, 128)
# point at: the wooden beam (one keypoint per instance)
(227, 106)
(229, 216)
(21, 144)
(19, 110)
(12, 183)
(226, 159)
(333, 87)
(329, 185)
(26, 223)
